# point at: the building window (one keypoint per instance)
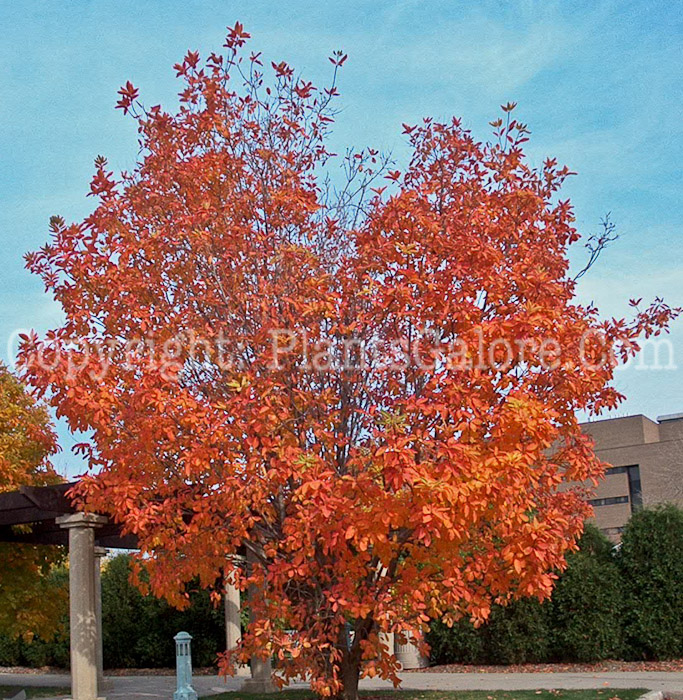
(609, 501)
(615, 470)
(634, 487)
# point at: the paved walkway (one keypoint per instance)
(162, 687)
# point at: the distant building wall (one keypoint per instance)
(646, 466)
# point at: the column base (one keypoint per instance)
(185, 694)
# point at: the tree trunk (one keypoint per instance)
(352, 659)
(350, 674)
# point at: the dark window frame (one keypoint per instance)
(635, 484)
(610, 501)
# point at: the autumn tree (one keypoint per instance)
(30, 603)
(357, 380)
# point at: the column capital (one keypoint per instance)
(81, 520)
(100, 552)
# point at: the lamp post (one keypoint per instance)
(183, 664)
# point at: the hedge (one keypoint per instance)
(586, 608)
(651, 563)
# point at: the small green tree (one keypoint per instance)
(651, 561)
(51, 649)
(138, 629)
(586, 605)
(122, 614)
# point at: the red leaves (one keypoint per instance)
(304, 90)
(236, 36)
(282, 70)
(101, 183)
(338, 58)
(129, 94)
(192, 59)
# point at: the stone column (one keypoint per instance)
(233, 628)
(82, 602)
(261, 669)
(233, 620)
(99, 553)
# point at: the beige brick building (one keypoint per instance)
(646, 459)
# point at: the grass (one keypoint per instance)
(9, 691)
(600, 694)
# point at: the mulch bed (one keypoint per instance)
(601, 667)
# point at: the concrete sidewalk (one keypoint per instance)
(652, 680)
(162, 687)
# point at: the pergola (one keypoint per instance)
(54, 521)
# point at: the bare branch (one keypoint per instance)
(597, 243)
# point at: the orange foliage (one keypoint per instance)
(321, 374)
(30, 603)
(27, 439)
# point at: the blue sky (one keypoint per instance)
(599, 84)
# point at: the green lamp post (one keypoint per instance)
(183, 664)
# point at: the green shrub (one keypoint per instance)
(460, 644)
(651, 561)
(594, 544)
(10, 650)
(517, 633)
(586, 608)
(35, 653)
